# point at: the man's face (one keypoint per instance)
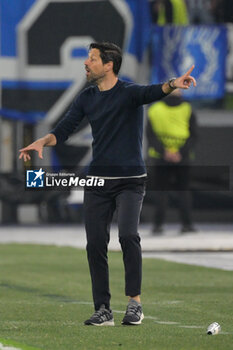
(95, 69)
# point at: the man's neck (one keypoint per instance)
(107, 83)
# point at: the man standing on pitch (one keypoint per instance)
(114, 111)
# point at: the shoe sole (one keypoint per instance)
(106, 323)
(133, 323)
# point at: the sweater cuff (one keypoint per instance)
(59, 137)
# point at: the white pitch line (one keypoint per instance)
(151, 318)
(167, 322)
(167, 302)
(183, 326)
(2, 347)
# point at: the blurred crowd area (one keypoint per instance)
(201, 13)
(191, 11)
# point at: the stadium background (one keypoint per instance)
(43, 45)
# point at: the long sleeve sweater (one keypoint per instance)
(116, 119)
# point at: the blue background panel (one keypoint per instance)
(11, 13)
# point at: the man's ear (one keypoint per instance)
(109, 66)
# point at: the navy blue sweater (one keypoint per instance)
(116, 119)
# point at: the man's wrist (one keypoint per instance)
(168, 87)
(48, 140)
(171, 83)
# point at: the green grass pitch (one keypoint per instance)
(45, 296)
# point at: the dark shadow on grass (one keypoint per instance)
(37, 292)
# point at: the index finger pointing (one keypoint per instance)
(189, 71)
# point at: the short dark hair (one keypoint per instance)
(109, 52)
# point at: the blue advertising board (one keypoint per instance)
(175, 49)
